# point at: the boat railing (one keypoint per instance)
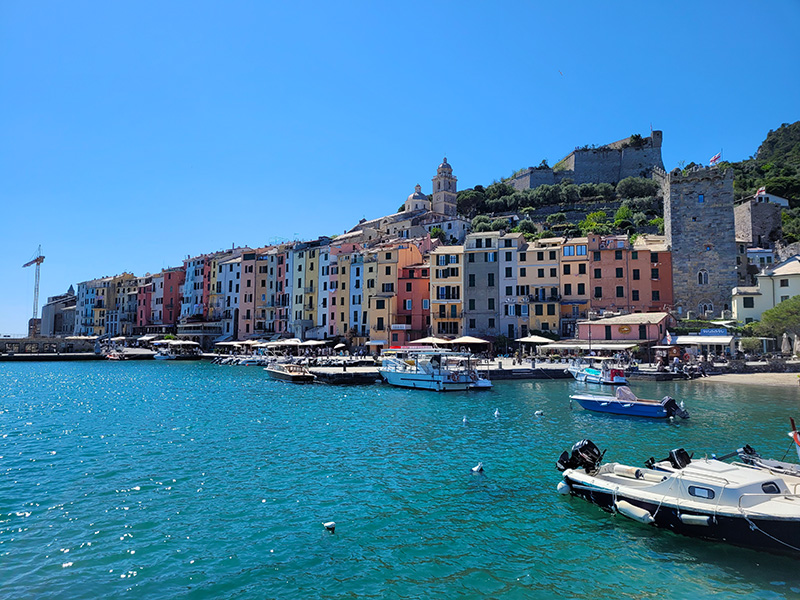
(761, 497)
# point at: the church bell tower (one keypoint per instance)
(444, 190)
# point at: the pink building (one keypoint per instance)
(413, 317)
(144, 295)
(640, 328)
(173, 282)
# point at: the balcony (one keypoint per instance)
(400, 327)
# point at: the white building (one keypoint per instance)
(774, 285)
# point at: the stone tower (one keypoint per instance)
(699, 227)
(444, 190)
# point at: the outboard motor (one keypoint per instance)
(584, 454)
(673, 408)
(679, 458)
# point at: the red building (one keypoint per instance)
(413, 317)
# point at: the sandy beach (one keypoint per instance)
(763, 379)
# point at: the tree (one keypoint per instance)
(784, 318)
(637, 187)
(527, 226)
(437, 233)
(658, 222)
(402, 208)
(480, 219)
(481, 227)
(470, 202)
(556, 218)
(595, 222)
(499, 190)
(499, 224)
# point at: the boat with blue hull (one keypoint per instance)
(708, 499)
(625, 402)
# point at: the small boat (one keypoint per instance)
(291, 373)
(479, 381)
(586, 370)
(625, 402)
(705, 498)
(115, 356)
(438, 370)
(165, 355)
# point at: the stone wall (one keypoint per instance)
(699, 226)
(759, 223)
(607, 164)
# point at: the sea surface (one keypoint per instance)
(148, 479)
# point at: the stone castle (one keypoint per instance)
(631, 157)
(699, 227)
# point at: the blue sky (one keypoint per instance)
(137, 133)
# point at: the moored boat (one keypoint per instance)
(291, 373)
(583, 369)
(625, 402)
(437, 370)
(703, 498)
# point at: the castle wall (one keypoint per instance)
(699, 226)
(759, 223)
(608, 164)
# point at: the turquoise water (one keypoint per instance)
(153, 480)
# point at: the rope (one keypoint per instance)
(754, 527)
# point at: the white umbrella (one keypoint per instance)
(797, 345)
(786, 345)
(468, 339)
(339, 346)
(534, 339)
(430, 340)
(312, 343)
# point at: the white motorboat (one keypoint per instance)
(437, 370)
(705, 498)
(291, 373)
(585, 369)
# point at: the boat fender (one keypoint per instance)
(563, 487)
(634, 512)
(631, 472)
(704, 520)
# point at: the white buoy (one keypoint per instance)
(330, 526)
(478, 468)
(634, 512)
(464, 420)
(539, 413)
(496, 413)
(562, 487)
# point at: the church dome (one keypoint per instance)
(445, 166)
(417, 196)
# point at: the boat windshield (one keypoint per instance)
(625, 394)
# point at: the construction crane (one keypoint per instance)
(37, 260)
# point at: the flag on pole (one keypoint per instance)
(715, 159)
(761, 190)
(669, 338)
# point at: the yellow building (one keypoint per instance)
(574, 283)
(447, 283)
(542, 256)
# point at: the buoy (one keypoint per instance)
(496, 412)
(464, 420)
(478, 468)
(563, 487)
(634, 512)
(539, 413)
(704, 520)
(330, 526)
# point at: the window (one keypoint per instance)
(596, 255)
(540, 273)
(479, 243)
(608, 332)
(598, 274)
(634, 255)
(408, 304)
(508, 254)
(580, 250)
(784, 283)
(509, 290)
(490, 280)
(581, 289)
(509, 272)
(380, 304)
(748, 302)
(701, 492)
(784, 298)
(635, 295)
(523, 272)
(636, 274)
(619, 272)
(472, 280)
(426, 304)
(491, 304)
(566, 269)
(538, 310)
(490, 256)
(552, 254)
(568, 289)
(701, 199)
(568, 251)
(582, 269)
(553, 272)
(551, 309)
(491, 323)
(770, 488)
(620, 292)
(488, 242)
(471, 304)
(598, 292)
(471, 258)
(702, 277)
(379, 325)
(523, 256)
(654, 257)
(540, 256)
(388, 270)
(654, 274)
(656, 295)
(472, 323)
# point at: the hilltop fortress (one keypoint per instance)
(634, 156)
